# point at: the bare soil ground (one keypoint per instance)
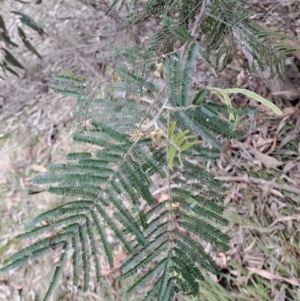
(262, 171)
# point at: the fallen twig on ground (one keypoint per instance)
(252, 180)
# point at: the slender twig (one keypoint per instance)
(164, 55)
(199, 18)
(196, 26)
(272, 9)
(162, 189)
(157, 116)
(169, 187)
(252, 180)
(285, 219)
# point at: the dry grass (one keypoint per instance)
(36, 127)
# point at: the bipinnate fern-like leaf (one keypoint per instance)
(111, 187)
(151, 130)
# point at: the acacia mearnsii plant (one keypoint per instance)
(164, 129)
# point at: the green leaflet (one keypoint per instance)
(201, 95)
(177, 144)
(4, 33)
(255, 96)
(11, 59)
(2, 26)
(27, 43)
(27, 20)
(234, 118)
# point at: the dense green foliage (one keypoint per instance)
(150, 130)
